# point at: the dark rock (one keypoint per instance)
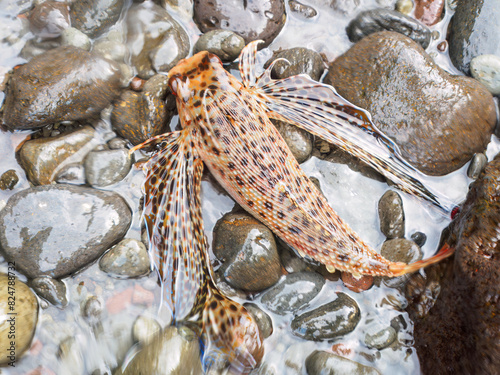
(169, 352)
(66, 83)
(52, 290)
(248, 251)
(300, 61)
(474, 31)
(293, 292)
(372, 21)
(140, 116)
(299, 141)
(94, 17)
(263, 320)
(49, 19)
(128, 258)
(385, 73)
(477, 165)
(226, 44)
(25, 313)
(467, 312)
(429, 11)
(56, 230)
(419, 238)
(8, 180)
(252, 19)
(325, 363)
(391, 215)
(45, 158)
(107, 167)
(155, 40)
(302, 9)
(328, 321)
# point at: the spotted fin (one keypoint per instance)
(175, 247)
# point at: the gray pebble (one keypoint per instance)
(299, 141)
(300, 61)
(92, 309)
(380, 338)
(144, 329)
(74, 37)
(103, 168)
(117, 143)
(400, 250)
(262, 319)
(391, 215)
(129, 258)
(226, 44)
(302, 9)
(71, 174)
(52, 290)
(419, 238)
(325, 363)
(486, 69)
(477, 165)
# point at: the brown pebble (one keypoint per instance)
(429, 11)
(137, 84)
(357, 285)
(442, 46)
(342, 350)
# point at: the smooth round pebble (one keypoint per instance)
(107, 167)
(144, 329)
(299, 141)
(477, 165)
(305, 11)
(262, 319)
(92, 309)
(404, 6)
(391, 215)
(50, 289)
(380, 338)
(226, 44)
(8, 180)
(419, 238)
(128, 258)
(486, 69)
(71, 174)
(324, 363)
(74, 37)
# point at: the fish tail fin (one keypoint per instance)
(399, 269)
(230, 333)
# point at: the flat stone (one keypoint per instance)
(57, 230)
(51, 290)
(226, 44)
(429, 11)
(325, 363)
(486, 69)
(107, 167)
(391, 215)
(94, 17)
(385, 72)
(65, 83)
(128, 258)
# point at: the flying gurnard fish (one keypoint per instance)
(226, 126)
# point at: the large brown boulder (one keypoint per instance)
(438, 120)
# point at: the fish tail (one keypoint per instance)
(230, 333)
(399, 269)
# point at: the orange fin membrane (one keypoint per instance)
(179, 253)
(400, 269)
(317, 108)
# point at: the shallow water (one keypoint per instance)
(353, 196)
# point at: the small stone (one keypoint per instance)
(400, 250)
(93, 308)
(19, 311)
(70, 357)
(168, 352)
(107, 167)
(293, 292)
(263, 320)
(345, 7)
(305, 11)
(419, 238)
(110, 49)
(300, 61)
(391, 215)
(248, 251)
(429, 11)
(477, 165)
(8, 180)
(328, 321)
(94, 17)
(226, 44)
(129, 258)
(299, 141)
(117, 144)
(74, 37)
(357, 284)
(52, 290)
(49, 19)
(71, 174)
(404, 6)
(145, 329)
(324, 363)
(442, 46)
(486, 69)
(380, 338)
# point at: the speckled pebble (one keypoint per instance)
(8, 180)
(74, 37)
(486, 69)
(391, 215)
(304, 10)
(226, 44)
(128, 258)
(144, 329)
(404, 6)
(300, 61)
(400, 250)
(378, 338)
(107, 167)
(477, 165)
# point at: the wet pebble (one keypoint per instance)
(400, 250)
(107, 167)
(117, 143)
(155, 40)
(128, 258)
(92, 309)
(259, 19)
(71, 174)
(391, 215)
(18, 318)
(145, 329)
(486, 69)
(474, 31)
(84, 221)
(357, 284)
(419, 238)
(293, 292)
(70, 357)
(304, 10)
(248, 251)
(74, 37)
(35, 47)
(405, 6)
(263, 320)
(226, 44)
(291, 261)
(110, 49)
(379, 338)
(94, 17)
(384, 72)
(8, 180)
(49, 19)
(324, 363)
(66, 83)
(328, 321)
(429, 11)
(477, 165)
(169, 352)
(299, 141)
(140, 116)
(345, 7)
(372, 21)
(52, 290)
(43, 159)
(300, 61)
